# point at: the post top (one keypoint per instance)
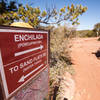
(21, 24)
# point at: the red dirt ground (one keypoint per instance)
(87, 68)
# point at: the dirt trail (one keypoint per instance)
(87, 68)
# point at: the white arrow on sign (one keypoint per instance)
(27, 51)
(22, 79)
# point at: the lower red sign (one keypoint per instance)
(23, 55)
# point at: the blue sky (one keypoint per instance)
(87, 20)
(92, 16)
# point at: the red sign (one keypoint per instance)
(23, 55)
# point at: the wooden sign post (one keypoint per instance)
(23, 55)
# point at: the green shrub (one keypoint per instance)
(86, 33)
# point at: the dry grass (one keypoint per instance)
(60, 60)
